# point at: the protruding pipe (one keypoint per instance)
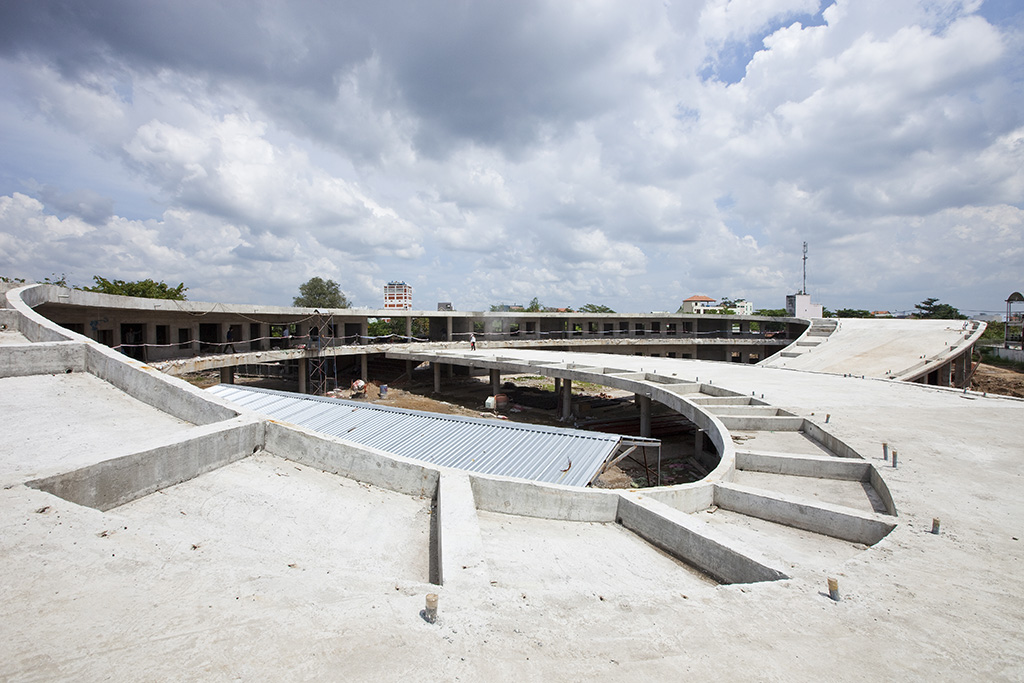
(894, 455)
(828, 416)
(430, 613)
(935, 525)
(885, 451)
(833, 588)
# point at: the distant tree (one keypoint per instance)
(852, 313)
(595, 308)
(771, 326)
(931, 308)
(147, 289)
(319, 293)
(535, 306)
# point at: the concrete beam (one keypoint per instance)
(21, 360)
(837, 521)
(110, 483)
(391, 472)
(173, 396)
(547, 501)
(459, 540)
(816, 466)
(694, 541)
(754, 423)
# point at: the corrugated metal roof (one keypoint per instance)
(512, 449)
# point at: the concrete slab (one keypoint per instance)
(12, 336)
(87, 598)
(852, 494)
(606, 559)
(57, 423)
(800, 552)
(784, 442)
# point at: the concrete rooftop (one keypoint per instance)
(269, 565)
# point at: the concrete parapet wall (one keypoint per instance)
(684, 497)
(117, 481)
(33, 326)
(837, 521)
(753, 423)
(693, 541)
(172, 396)
(837, 447)
(822, 467)
(460, 545)
(882, 489)
(746, 411)
(47, 358)
(353, 461)
(548, 501)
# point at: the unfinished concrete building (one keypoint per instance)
(153, 530)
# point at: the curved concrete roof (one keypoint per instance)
(890, 348)
(279, 554)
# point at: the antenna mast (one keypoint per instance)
(804, 291)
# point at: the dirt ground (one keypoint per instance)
(997, 380)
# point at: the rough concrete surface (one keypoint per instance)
(56, 423)
(198, 582)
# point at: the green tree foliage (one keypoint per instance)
(535, 306)
(771, 326)
(852, 313)
(147, 289)
(931, 308)
(319, 293)
(595, 308)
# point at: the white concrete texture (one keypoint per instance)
(310, 557)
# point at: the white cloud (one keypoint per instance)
(495, 152)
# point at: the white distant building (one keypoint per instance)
(705, 305)
(398, 295)
(800, 306)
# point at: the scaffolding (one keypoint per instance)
(323, 370)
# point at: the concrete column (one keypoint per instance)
(303, 375)
(408, 327)
(558, 385)
(566, 410)
(364, 331)
(644, 402)
(363, 372)
(227, 375)
(408, 368)
(195, 339)
(537, 333)
(944, 373)
(449, 327)
(495, 382)
(437, 376)
(698, 444)
(745, 355)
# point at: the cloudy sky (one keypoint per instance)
(622, 153)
